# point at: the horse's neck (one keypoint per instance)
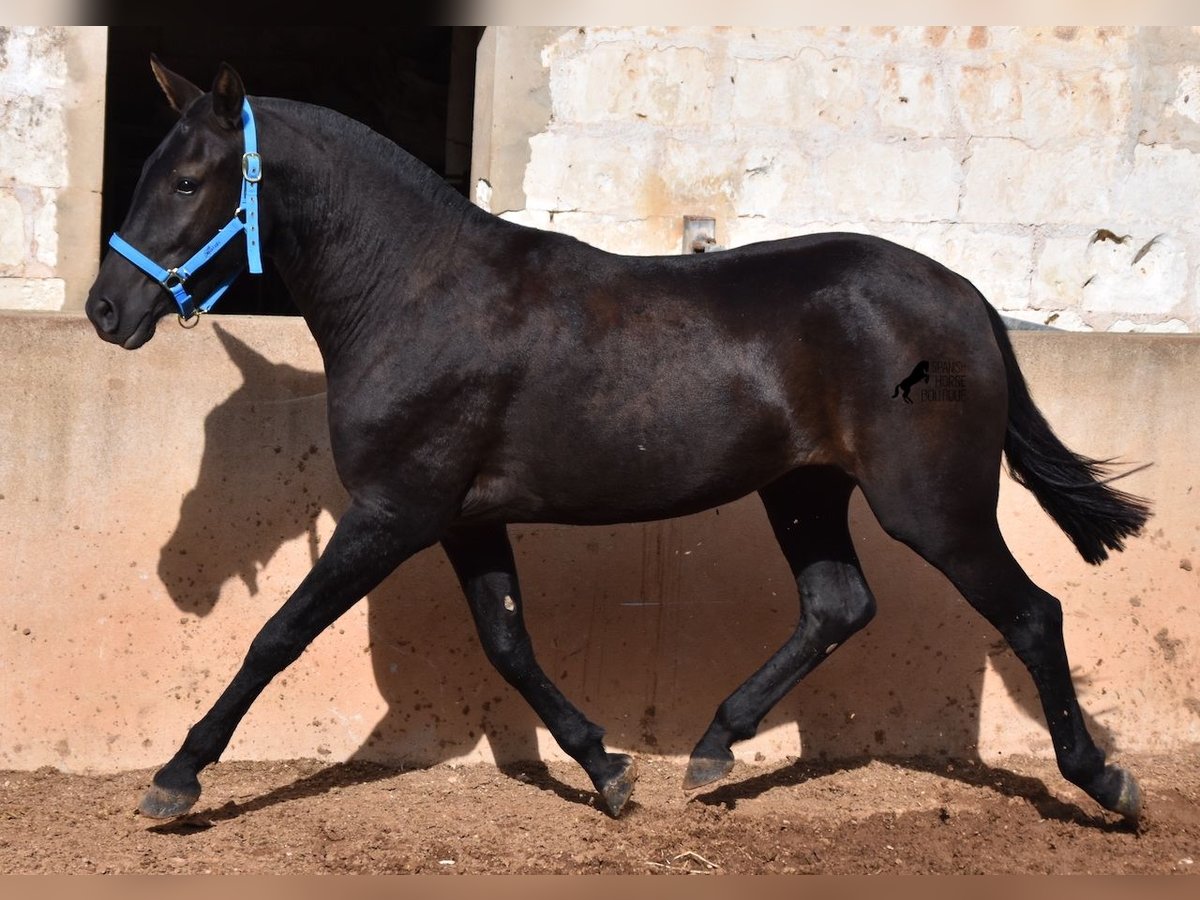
(356, 225)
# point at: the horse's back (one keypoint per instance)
(655, 386)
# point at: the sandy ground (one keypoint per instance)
(871, 816)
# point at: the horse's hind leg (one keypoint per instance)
(483, 560)
(808, 511)
(954, 528)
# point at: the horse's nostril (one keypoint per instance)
(104, 314)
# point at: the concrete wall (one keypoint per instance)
(51, 156)
(156, 507)
(1054, 166)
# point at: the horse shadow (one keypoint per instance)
(635, 644)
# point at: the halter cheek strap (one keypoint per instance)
(245, 219)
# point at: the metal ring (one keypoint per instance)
(193, 319)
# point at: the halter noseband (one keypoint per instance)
(245, 218)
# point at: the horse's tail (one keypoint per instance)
(1073, 489)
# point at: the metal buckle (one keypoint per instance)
(173, 279)
(191, 322)
(252, 167)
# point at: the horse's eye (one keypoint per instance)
(185, 186)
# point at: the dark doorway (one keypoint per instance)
(413, 85)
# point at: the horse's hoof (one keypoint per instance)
(704, 770)
(1120, 793)
(167, 803)
(616, 790)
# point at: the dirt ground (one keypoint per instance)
(873, 816)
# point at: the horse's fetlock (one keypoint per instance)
(738, 724)
(1083, 768)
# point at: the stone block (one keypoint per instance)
(569, 170)
(32, 293)
(33, 141)
(1171, 326)
(1060, 272)
(45, 230)
(810, 90)
(913, 99)
(14, 242)
(769, 175)
(1138, 274)
(1041, 104)
(1161, 188)
(903, 181)
(629, 82)
(693, 175)
(1008, 181)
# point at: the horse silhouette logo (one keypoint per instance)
(920, 372)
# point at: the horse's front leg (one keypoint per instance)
(482, 557)
(365, 547)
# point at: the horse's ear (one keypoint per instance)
(228, 96)
(245, 357)
(180, 92)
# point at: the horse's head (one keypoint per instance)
(188, 191)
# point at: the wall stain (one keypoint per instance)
(1170, 646)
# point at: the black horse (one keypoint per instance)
(482, 373)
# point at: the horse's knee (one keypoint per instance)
(509, 652)
(273, 649)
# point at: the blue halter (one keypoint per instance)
(245, 218)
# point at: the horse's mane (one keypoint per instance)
(368, 145)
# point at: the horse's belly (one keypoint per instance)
(602, 485)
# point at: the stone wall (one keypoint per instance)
(1055, 167)
(51, 152)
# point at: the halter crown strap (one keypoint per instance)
(244, 219)
(251, 176)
